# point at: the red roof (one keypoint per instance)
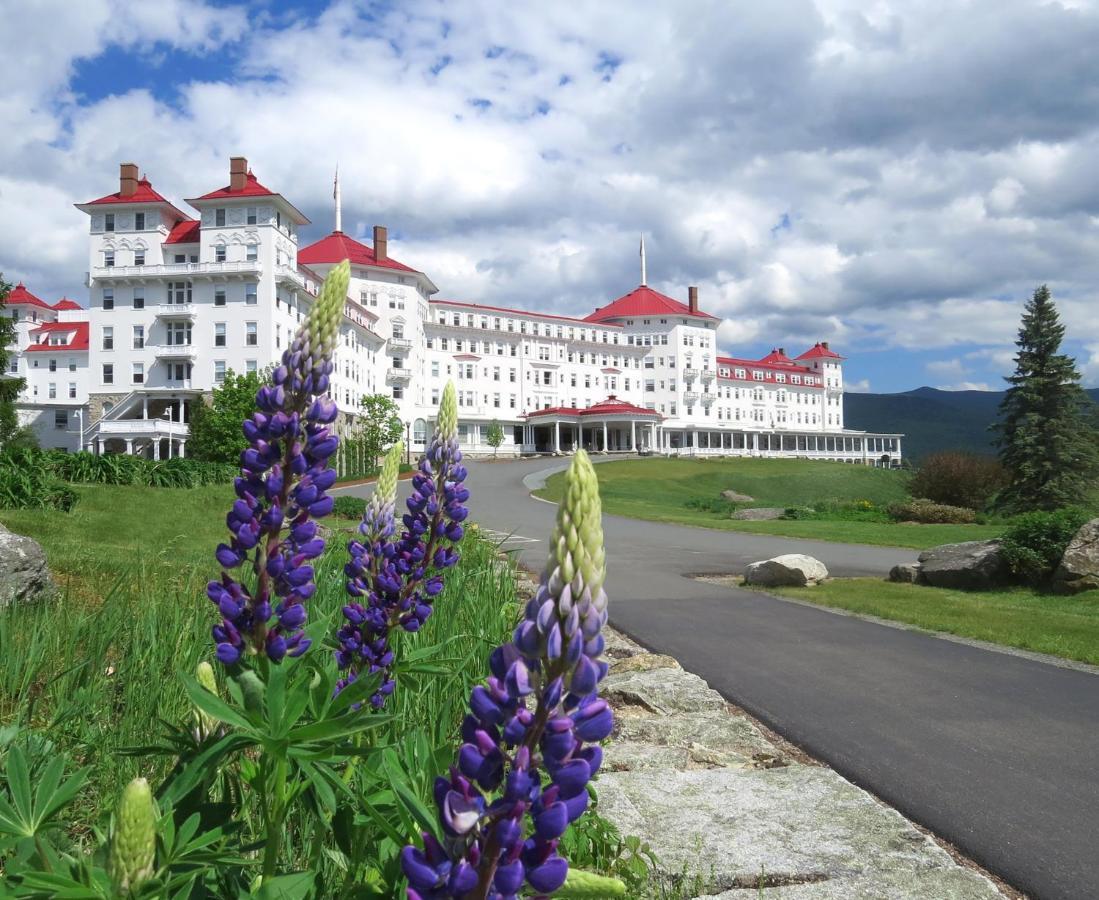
(644, 301)
(337, 247)
(770, 366)
(79, 340)
(20, 295)
(519, 312)
(66, 303)
(820, 351)
(252, 188)
(143, 194)
(185, 231)
(778, 358)
(612, 406)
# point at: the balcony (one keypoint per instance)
(143, 427)
(175, 311)
(690, 374)
(707, 376)
(690, 398)
(707, 399)
(398, 374)
(288, 275)
(225, 270)
(400, 343)
(173, 351)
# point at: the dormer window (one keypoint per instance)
(139, 221)
(108, 222)
(219, 218)
(251, 216)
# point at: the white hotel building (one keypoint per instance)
(176, 301)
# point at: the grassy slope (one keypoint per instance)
(660, 489)
(1020, 617)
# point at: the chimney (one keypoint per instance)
(381, 243)
(824, 344)
(781, 351)
(692, 298)
(238, 173)
(127, 179)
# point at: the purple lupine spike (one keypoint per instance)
(530, 739)
(393, 579)
(280, 491)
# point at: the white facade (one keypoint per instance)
(176, 301)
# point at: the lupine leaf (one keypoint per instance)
(213, 706)
(286, 887)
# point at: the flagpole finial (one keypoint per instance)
(644, 280)
(336, 197)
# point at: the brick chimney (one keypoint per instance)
(692, 298)
(781, 351)
(238, 173)
(381, 243)
(824, 344)
(127, 179)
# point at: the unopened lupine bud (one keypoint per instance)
(447, 423)
(580, 885)
(132, 854)
(204, 675)
(381, 503)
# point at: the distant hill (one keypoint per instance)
(930, 419)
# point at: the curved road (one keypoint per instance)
(998, 754)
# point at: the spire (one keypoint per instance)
(644, 280)
(336, 197)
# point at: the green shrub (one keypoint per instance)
(31, 486)
(928, 513)
(114, 468)
(955, 478)
(348, 507)
(711, 504)
(1035, 542)
(800, 512)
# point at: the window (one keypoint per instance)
(139, 298)
(139, 373)
(435, 369)
(179, 334)
(179, 292)
(219, 334)
(219, 217)
(108, 338)
(419, 432)
(108, 222)
(72, 390)
(219, 371)
(60, 418)
(250, 216)
(219, 253)
(251, 335)
(139, 221)
(139, 337)
(53, 391)
(250, 365)
(250, 295)
(219, 295)
(72, 364)
(252, 253)
(108, 373)
(139, 257)
(53, 365)
(108, 258)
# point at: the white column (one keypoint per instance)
(633, 436)
(99, 444)
(694, 438)
(156, 448)
(652, 426)
(556, 437)
(129, 446)
(144, 407)
(182, 449)
(606, 445)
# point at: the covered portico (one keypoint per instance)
(611, 426)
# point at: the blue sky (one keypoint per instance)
(895, 178)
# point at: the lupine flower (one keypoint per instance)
(530, 740)
(132, 853)
(281, 493)
(393, 580)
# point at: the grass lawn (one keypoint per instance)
(667, 490)
(1020, 617)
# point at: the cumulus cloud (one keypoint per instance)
(890, 175)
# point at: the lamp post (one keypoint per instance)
(408, 443)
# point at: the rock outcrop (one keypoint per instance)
(23, 573)
(735, 497)
(759, 514)
(1079, 568)
(793, 569)
(905, 573)
(969, 566)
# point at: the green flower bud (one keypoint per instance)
(204, 675)
(252, 691)
(132, 854)
(324, 318)
(576, 543)
(447, 424)
(579, 884)
(386, 488)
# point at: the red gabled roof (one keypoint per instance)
(66, 303)
(21, 296)
(337, 247)
(820, 351)
(143, 194)
(185, 231)
(770, 367)
(520, 312)
(78, 342)
(644, 301)
(609, 407)
(778, 358)
(252, 188)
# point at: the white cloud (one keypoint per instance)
(966, 386)
(946, 367)
(862, 386)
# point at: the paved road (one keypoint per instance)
(996, 753)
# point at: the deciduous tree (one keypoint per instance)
(494, 437)
(216, 435)
(379, 425)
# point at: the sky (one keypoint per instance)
(893, 177)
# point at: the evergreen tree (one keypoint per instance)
(1046, 433)
(9, 387)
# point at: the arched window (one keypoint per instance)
(419, 432)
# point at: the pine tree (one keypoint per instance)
(1047, 437)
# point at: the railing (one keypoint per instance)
(709, 398)
(690, 374)
(286, 273)
(690, 397)
(176, 351)
(249, 267)
(398, 374)
(400, 343)
(175, 311)
(144, 427)
(707, 375)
